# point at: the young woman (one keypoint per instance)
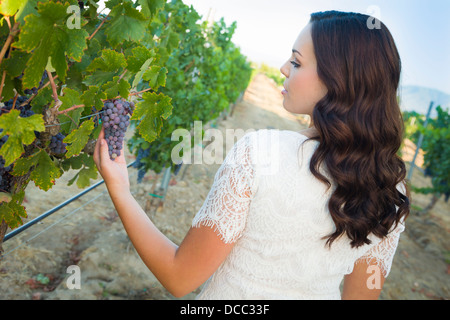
(291, 214)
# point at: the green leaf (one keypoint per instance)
(45, 36)
(110, 60)
(127, 23)
(15, 63)
(105, 67)
(116, 88)
(150, 112)
(151, 7)
(69, 99)
(78, 138)
(19, 8)
(139, 74)
(20, 132)
(93, 97)
(12, 212)
(88, 172)
(75, 162)
(170, 40)
(43, 98)
(139, 56)
(43, 171)
(156, 77)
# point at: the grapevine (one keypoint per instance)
(60, 75)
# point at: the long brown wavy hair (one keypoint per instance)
(360, 125)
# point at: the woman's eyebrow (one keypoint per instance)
(295, 51)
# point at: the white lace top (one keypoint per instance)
(265, 199)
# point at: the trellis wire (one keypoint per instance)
(51, 211)
(54, 224)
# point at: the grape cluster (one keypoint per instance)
(116, 119)
(25, 110)
(57, 145)
(5, 176)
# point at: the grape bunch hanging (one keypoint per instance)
(6, 182)
(116, 119)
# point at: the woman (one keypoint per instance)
(325, 205)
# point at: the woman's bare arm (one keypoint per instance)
(180, 269)
(364, 283)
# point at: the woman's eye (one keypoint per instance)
(295, 64)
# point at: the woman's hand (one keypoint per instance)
(115, 173)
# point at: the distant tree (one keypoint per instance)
(412, 120)
(436, 146)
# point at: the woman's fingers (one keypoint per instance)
(97, 149)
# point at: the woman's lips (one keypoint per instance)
(284, 91)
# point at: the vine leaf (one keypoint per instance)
(12, 212)
(150, 112)
(20, 132)
(92, 97)
(89, 171)
(127, 23)
(141, 72)
(43, 171)
(45, 36)
(69, 99)
(78, 138)
(106, 67)
(41, 100)
(151, 7)
(156, 77)
(18, 8)
(139, 56)
(116, 88)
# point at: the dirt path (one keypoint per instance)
(88, 232)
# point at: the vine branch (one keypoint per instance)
(71, 109)
(55, 92)
(13, 32)
(98, 28)
(2, 84)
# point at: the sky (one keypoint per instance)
(267, 29)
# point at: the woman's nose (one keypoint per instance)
(284, 70)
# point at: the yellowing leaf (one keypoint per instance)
(20, 132)
(78, 138)
(12, 212)
(43, 171)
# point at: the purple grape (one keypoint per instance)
(116, 121)
(57, 146)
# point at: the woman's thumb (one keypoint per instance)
(104, 148)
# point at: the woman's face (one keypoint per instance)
(303, 89)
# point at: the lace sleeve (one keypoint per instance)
(383, 253)
(228, 202)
